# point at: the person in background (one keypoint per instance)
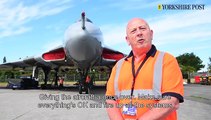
(61, 82)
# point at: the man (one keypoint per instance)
(61, 81)
(147, 84)
(88, 79)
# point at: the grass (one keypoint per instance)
(3, 84)
(96, 82)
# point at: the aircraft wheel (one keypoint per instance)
(87, 91)
(80, 89)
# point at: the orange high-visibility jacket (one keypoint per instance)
(159, 76)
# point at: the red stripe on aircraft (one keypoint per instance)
(55, 55)
(108, 54)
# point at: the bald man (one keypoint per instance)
(147, 84)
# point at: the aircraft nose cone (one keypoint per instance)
(85, 50)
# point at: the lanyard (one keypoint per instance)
(136, 73)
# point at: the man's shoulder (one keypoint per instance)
(167, 55)
(169, 59)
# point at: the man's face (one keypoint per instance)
(139, 35)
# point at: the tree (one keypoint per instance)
(209, 65)
(189, 63)
(4, 60)
(9, 74)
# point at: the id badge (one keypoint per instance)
(129, 110)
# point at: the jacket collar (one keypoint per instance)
(151, 52)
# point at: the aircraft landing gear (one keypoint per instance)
(80, 89)
(84, 88)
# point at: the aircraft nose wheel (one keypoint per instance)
(88, 91)
(84, 89)
(80, 89)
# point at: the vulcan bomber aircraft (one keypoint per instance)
(82, 48)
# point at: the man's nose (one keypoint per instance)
(139, 32)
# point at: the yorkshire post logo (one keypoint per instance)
(181, 7)
(159, 6)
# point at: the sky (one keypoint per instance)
(31, 27)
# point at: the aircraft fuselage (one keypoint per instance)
(83, 43)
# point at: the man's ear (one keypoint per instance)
(128, 42)
(151, 34)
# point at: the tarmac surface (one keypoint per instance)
(68, 105)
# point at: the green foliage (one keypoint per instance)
(190, 62)
(1, 76)
(187, 68)
(4, 60)
(9, 74)
(97, 73)
(14, 74)
(209, 65)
